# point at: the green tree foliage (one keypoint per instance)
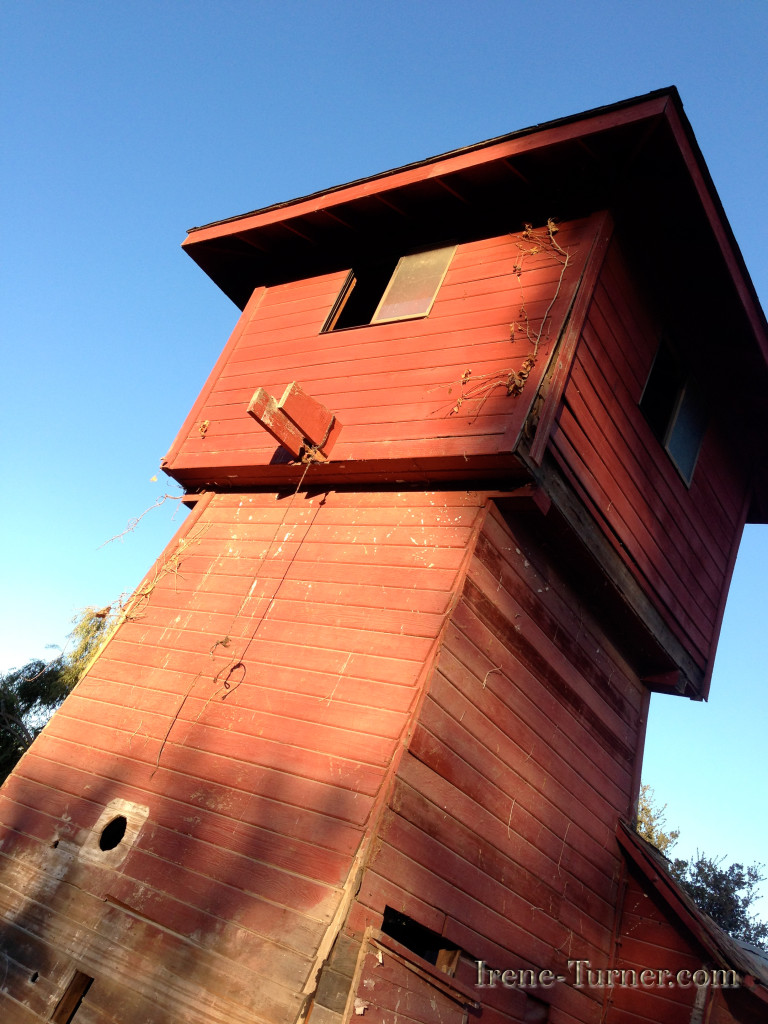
(652, 822)
(30, 694)
(725, 893)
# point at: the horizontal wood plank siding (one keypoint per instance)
(649, 939)
(394, 387)
(252, 699)
(500, 833)
(678, 541)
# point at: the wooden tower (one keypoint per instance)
(467, 485)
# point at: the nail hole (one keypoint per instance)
(33, 977)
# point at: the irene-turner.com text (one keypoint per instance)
(583, 975)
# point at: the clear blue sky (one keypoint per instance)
(124, 124)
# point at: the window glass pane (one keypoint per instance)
(687, 432)
(662, 391)
(414, 285)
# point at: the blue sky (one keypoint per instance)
(125, 124)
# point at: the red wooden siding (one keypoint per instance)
(652, 938)
(321, 703)
(679, 542)
(500, 832)
(385, 987)
(650, 941)
(392, 386)
(253, 700)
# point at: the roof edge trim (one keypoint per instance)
(549, 132)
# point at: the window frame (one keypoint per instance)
(667, 429)
(399, 270)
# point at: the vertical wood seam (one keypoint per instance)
(382, 800)
(562, 357)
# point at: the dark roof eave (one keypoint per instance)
(670, 92)
(664, 103)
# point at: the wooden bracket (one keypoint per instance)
(526, 498)
(264, 409)
(665, 682)
(534, 496)
(316, 423)
(298, 422)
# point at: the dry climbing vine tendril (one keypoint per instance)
(478, 388)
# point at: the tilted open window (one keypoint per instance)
(673, 405)
(384, 291)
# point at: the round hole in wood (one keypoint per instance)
(113, 832)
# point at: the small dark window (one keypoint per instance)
(665, 382)
(361, 295)
(422, 941)
(686, 430)
(113, 833)
(674, 408)
(388, 290)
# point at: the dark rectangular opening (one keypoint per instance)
(69, 1004)
(674, 408)
(422, 941)
(361, 295)
(662, 390)
(386, 290)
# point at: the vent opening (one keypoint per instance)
(113, 833)
(422, 941)
(361, 295)
(391, 289)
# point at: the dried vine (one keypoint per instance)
(133, 523)
(171, 566)
(230, 675)
(479, 387)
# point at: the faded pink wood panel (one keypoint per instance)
(500, 834)
(395, 387)
(253, 700)
(649, 939)
(388, 990)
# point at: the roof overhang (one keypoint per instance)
(638, 158)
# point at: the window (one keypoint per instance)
(673, 405)
(384, 291)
